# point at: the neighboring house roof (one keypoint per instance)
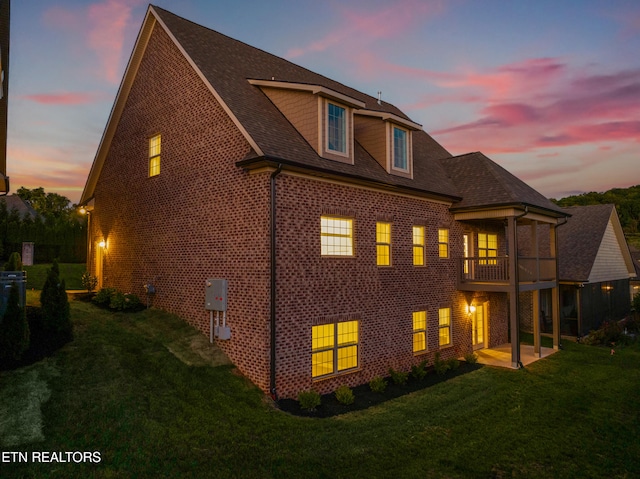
(635, 256)
(483, 183)
(234, 72)
(592, 247)
(17, 203)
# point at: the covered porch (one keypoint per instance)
(511, 250)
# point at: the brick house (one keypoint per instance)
(349, 239)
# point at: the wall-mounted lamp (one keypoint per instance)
(607, 288)
(470, 309)
(102, 244)
(82, 211)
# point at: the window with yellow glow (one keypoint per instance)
(419, 331)
(444, 321)
(334, 348)
(418, 246)
(443, 243)
(487, 248)
(336, 236)
(383, 244)
(154, 155)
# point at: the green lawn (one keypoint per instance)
(70, 272)
(142, 391)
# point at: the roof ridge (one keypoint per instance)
(370, 98)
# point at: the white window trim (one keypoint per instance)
(348, 129)
(393, 149)
(391, 168)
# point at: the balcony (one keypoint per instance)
(492, 274)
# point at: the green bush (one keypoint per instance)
(439, 365)
(309, 400)
(419, 371)
(89, 282)
(398, 377)
(103, 297)
(471, 358)
(636, 302)
(14, 263)
(125, 302)
(344, 395)
(14, 328)
(453, 364)
(55, 305)
(378, 384)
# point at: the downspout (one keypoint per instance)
(272, 380)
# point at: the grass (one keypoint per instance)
(70, 272)
(131, 387)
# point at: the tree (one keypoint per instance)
(14, 263)
(55, 306)
(49, 205)
(14, 328)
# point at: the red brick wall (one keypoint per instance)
(202, 217)
(313, 289)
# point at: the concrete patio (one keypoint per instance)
(501, 355)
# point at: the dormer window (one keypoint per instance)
(336, 128)
(400, 149)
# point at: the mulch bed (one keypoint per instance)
(365, 398)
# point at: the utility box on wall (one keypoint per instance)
(216, 295)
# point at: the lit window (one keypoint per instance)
(154, 155)
(399, 149)
(383, 244)
(336, 236)
(444, 321)
(443, 243)
(487, 248)
(334, 348)
(418, 246)
(419, 331)
(336, 128)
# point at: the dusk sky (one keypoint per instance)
(550, 90)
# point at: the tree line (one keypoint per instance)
(626, 200)
(58, 231)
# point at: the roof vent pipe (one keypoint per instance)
(379, 97)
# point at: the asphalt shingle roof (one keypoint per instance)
(579, 240)
(483, 183)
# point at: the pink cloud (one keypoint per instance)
(102, 25)
(63, 98)
(368, 24)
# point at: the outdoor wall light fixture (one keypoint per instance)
(102, 244)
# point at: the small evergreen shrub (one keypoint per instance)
(398, 377)
(14, 328)
(14, 263)
(378, 384)
(344, 395)
(471, 358)
(103, 297)
(419, 371)
(309, 400)
(453, 364)
(56, 315)
(89, 282)
(439, 365)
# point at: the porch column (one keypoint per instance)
(555, 292)
(514, 307)
(536, 323)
